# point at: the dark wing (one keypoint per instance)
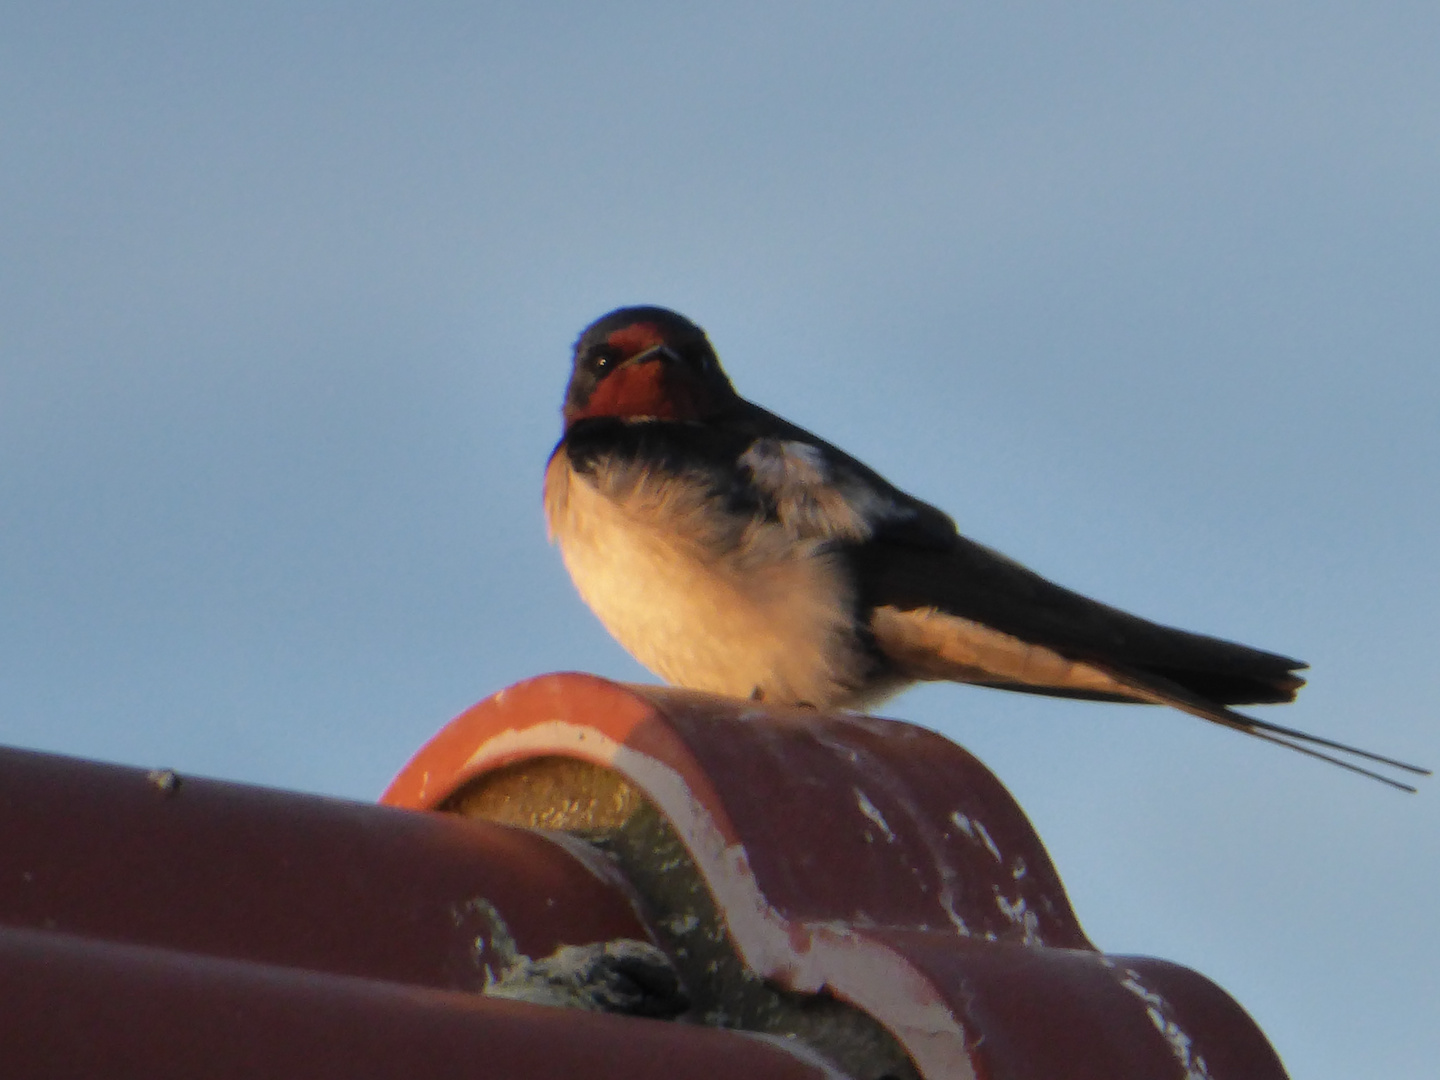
(901, 570)
(916, 559)
(916, 570)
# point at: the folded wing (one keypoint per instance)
(949, 608)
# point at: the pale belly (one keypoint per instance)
(719, 604)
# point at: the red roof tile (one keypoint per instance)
(870, 859)
(862, 889)
(90, 1009)
(272, 876)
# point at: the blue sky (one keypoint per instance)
(1143, 294)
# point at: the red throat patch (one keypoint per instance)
(646, 390)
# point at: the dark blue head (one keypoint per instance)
(642, 363)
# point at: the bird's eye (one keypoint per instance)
(603, 359)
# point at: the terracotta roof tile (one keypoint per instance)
(861, 893)
(230, 870)
(90, 1008)
(867, 863)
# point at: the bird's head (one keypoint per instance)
(645, 363)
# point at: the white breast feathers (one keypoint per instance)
(710, 598)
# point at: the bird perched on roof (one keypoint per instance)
(730, 551)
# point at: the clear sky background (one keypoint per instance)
(1146, 295)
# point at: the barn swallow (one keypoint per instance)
(733, 552)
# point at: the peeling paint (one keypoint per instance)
(881, 961)
(1162, 1016)
(838, 748)
(985, 836)
(798, 956)
(1019, 913)
(948, 878)
(976, 831)
(869, 810)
